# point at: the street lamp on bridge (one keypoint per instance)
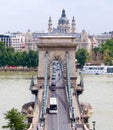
(94, 125)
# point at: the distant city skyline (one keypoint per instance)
(95, 16)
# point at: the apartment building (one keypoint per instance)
(17, 41)
(6, 39)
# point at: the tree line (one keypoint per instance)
(104, 52)
(8, 57)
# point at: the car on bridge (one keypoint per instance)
(53, 86)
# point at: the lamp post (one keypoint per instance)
(94, 125)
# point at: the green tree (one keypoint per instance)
(106, 51)
(108, 60)
(96, 51)
(3, 58)
(2, 54)
(106, 45)
(8, 57)
(10, 50)
(82, 56)
(2, 46)
(15, 120)
(32, 59)
(24, 58)
(17, 58)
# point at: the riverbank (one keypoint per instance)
(17, 69)
(15, 74)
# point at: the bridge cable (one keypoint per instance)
(45, 94)
(68, 90)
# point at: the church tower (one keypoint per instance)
(63, 23)
(84, 36)
(73, 25)
(49, 25)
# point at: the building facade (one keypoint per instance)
(64, 28)
(29, 40)
(6, 39)
(17, 41)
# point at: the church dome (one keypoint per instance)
(63, 19)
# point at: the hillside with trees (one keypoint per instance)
(105, 52)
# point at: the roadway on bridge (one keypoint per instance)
(59, 121)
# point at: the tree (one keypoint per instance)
(96, 51)
(108, 60)
(32, 59)
(24, 59)
(82, 56)
(16, 120)
(8, 57)
(106, 45)
(2, 54)
(17, 58)
(2, 46)
(107, 52)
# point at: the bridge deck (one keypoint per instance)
(59, 121)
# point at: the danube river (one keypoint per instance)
(14, 92)
(98, 89)
(98, 92)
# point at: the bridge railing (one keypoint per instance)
(68, 91)
(81, 84)
(45, 94)
(81, 81)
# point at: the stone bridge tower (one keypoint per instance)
(57, 46)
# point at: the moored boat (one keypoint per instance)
(96, 69)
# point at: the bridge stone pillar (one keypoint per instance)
(57, 46)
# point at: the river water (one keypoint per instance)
(98, 89)
(14, 92)
(99, 93)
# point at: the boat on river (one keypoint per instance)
(96, 69)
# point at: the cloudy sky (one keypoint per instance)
(95, 16)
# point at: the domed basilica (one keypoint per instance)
(63, 24)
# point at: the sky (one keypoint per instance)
(95, 16)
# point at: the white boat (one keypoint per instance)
(96, 69)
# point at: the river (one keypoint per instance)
(14, 92)
(98, 91)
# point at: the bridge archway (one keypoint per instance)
(56, 47)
